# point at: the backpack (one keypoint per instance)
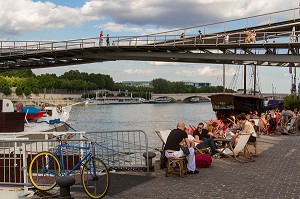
(203, 160)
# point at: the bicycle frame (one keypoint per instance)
(59, 151)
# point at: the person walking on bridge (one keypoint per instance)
(253, 36)
(101, 38)
(107, 40)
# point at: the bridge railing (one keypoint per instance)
(21, 48)
(172, 37)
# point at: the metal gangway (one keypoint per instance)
(276, 45)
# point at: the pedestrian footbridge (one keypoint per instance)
(276, 45)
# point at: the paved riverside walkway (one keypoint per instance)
(274, 174)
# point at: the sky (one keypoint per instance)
(42, 20)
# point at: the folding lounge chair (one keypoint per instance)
(240, 145)
(163, 135)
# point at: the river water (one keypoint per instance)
(146, 117)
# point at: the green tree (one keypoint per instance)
(19, 91)
(3, 82)
(47, 80)
(72, 75)
(161, 86)
(35, 90)
(6, 90)
(27, 91)
(18, 73)
(291, 102)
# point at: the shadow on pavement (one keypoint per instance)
(121, 182)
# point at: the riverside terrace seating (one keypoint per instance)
(163, 135)
(228, 150)
(170, 163)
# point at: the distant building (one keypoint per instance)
(138, 83)
(196, 84)
(188, 83)
(201, 84)
(149, 83)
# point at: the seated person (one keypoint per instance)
(255, 115)
(172, 148)
(247, 128)
(263, 123)
(205, 138)
(217, 130)
(254, 126)
(236, 127)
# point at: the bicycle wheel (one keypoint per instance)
(43, 171)
(95, 178)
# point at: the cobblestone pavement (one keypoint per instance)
(274, 174)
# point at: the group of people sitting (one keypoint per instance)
(275, 121)
(201, 138)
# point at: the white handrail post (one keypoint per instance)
(25, 169)
(81, 144)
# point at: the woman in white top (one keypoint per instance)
(247, 127)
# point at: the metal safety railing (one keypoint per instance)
(120, 150)
(158, 41)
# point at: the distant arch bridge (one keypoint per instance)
(186, 97)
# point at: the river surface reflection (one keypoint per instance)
(146, 117)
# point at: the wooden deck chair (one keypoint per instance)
(255, 146)
(257, 123)
(240, 145)
(290, 124)
(169, 162)
(162, 135)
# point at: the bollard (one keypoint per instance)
(151, 155)
(65, 182)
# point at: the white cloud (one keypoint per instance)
(25, 15)
(157, 63)
(115, 27)
(126, 15)
(205, 71)
(139, 72)
(178, 13)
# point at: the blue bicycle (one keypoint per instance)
(45, 168)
